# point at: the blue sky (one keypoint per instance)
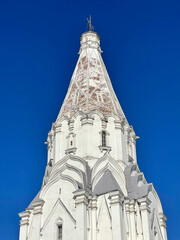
(39, 43)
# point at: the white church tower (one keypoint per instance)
(92, 188)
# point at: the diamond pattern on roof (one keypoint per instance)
(90, 87)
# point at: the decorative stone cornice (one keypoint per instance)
(24, 222)
(92, 202)
(71, 124)
(24, 217)
(90, 40)
(105, 148)
(58, 127)
(104, 123)
(116, 197)
(81, 197)
(71, 150)
(128, 135)
(119, 124)
(87, 121)
(162, 219)
(24, 214)
(132, 206)
(144, 204)
(38, 206)
(127, 202)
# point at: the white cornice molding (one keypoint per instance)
(71, 124)
(144, 204)
(81, 197)
(116, 197)
(105, 148)
(24, 217)
(162, 219)
(24, 214)
(71, 150)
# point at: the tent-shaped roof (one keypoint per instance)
(90, 87)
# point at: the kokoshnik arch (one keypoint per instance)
(92, 188)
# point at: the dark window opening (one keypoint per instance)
(104, 138)
(59, 235)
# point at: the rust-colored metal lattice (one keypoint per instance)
(90, 87)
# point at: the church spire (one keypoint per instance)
(90, 88)
(92, 170)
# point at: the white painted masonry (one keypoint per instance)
(92, 188)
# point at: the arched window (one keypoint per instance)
(71, 143)
(71, 140)
(59, 232)
(104, 143)
(59, 228)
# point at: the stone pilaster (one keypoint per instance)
(119, 126)
(127, 212)
(57, 141)
(145, 211)
(36, 220)
(24, 222)
(134, 147)
(162, 219)
(89, 218)
(116, 211)
(132, 212)
(94, 218)
(81, 202)
(87, 135)
(50, 145)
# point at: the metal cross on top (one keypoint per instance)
(91, 28)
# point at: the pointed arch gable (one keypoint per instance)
(114, 173)
(115, 169)
(58, 202)
(107, 183)
(57, 178)
(65, 159)
(107, 157)
(61, 166)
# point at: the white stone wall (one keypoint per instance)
(128, 208)
(110, 215)
(106, 217)
(85, 137)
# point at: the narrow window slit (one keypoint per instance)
(104, 138)
(59, 235)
